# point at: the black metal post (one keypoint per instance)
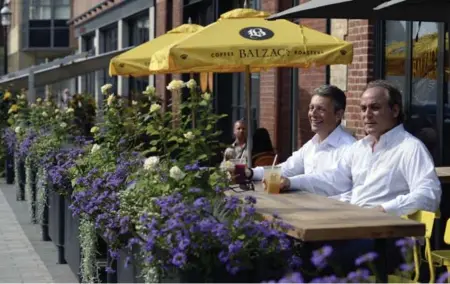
(5, 55)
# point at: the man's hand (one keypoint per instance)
(380, 209)
(285, 184)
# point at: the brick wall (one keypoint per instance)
(268, 97)
(360, 72)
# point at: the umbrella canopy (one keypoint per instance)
(406, 10)
(136, 61)
(243, 38)
(243, 41)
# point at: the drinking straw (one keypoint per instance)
(274, 161)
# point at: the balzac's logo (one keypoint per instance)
(267, 52)
(256, 33)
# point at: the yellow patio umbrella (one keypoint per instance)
(243, 41)
(136, 61)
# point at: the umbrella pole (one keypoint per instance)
(248, 97)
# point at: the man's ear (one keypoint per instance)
(339, 115)
(396, 111)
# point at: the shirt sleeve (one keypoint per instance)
(419, 172)
(328, 183)
(294, 165)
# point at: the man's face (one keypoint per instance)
(378, 117)
(322, 115)
(240, 131)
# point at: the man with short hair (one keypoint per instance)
(325, 149)
(389, 169)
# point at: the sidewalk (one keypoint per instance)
(23, 256)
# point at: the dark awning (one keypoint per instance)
(58, 70)
(343, 9)
(407, 10)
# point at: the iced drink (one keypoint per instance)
(239, 170)
(272, 179)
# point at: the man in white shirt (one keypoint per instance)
(325, 149)
(389, 169)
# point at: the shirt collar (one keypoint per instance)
(388, 137)
(332, 139)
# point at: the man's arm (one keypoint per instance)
(328, 183)
(293, 166)
(425, 189)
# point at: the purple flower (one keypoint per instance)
(193, 167)
(179, 259)
(195, 190)
(250, 199)
(9, 136)
(407, 267)
(326, 279)
(295, 262)
(109, 270)
(360, 275)
(443, 277)
(235, 247)
(368, 257)
(319, 257)
(295, 277)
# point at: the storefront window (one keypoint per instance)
(138, 33)
(411, 64)
(422, 120)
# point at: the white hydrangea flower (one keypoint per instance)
(33, 105)
(151, 162)
(189, 135)
(110, 100)
(63, 125)
(38, 100)
(134, 103)
(44, 114)
(191, 84)
(154, 108)
(95, 129)
(70, 110)
(106, 88)
(176, 173)
(150, 90)
(176, 85)
(17, 130)
(56, 110)
(95, 148)
(206, 96)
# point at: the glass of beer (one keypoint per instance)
(239, 170)
(272, 179)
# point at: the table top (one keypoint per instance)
(319, 218)
(443, 174)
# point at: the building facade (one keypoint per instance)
(410, 54)
(39, 32)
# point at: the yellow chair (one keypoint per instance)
(442, 257)
(426, 218)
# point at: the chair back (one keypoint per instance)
(447, 233)
(426, 218)
(263, 159)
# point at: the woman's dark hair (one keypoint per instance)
(261, 141)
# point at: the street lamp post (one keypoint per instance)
(6, 23)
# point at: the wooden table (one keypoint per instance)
(443, 174)
(318, 218)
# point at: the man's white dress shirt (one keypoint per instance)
(315, 157)
(398, 174)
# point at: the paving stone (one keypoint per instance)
(24, 258)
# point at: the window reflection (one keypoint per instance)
(395, 49)
(422, 120)
(421, 101)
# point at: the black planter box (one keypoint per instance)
(56, 221)
(131, 273)
(44, 221)
(33, 201)
(9, 168)
(72, 250)
(20, 193)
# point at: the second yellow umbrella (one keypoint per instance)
(136, 61)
